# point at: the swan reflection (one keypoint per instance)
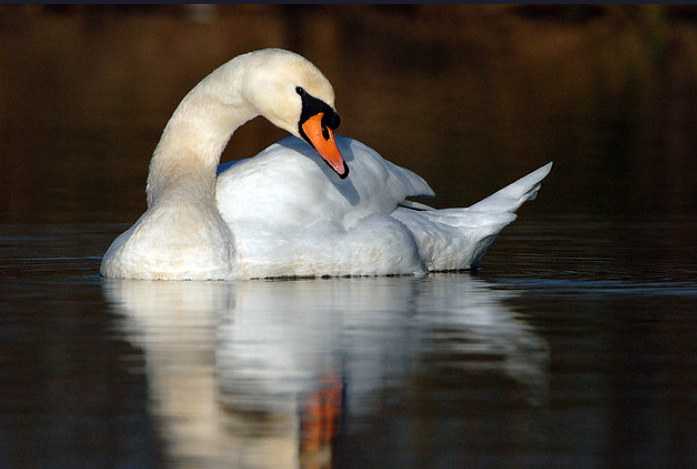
(265, 373)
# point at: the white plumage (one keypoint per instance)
(285, 212)
(292, 216)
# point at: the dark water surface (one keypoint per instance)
(575, 345)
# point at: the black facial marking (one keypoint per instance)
(313, 106)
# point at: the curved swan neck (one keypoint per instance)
(198, 131)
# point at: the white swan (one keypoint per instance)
(309, 205)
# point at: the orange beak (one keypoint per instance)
(322, 139)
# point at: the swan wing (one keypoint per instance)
(290, 184)
(291, 214)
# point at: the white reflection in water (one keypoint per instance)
(263, 373)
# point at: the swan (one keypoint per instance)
(312, 204)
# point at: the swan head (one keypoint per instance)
(289, 91)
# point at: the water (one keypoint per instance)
(573, 346)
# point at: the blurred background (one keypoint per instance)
(470, 97)
(573, 346)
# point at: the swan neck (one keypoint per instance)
(194, 139)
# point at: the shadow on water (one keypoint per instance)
(272, 373)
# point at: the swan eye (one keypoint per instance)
(300, 90)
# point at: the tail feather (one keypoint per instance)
(511, 197)
(458, 238)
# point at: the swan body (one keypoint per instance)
(313, 204)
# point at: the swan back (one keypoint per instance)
(290, 184)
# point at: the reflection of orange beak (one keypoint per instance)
(322, 139)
